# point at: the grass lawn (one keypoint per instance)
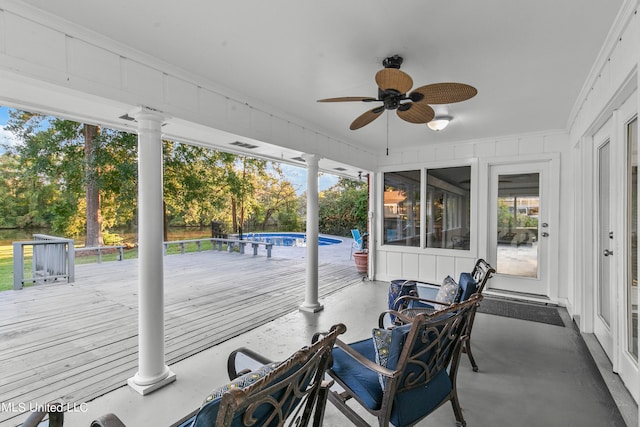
(6, 259)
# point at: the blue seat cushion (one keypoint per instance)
(362, 381)
(467, 285)
(411, 405)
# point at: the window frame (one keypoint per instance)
(473, 209)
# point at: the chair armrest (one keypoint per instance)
(408, 298)
(364, 361)
(243, 360)
(108, 420)
(385, 315)
(56, 416)
(34, 419)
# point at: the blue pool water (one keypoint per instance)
(289, 239)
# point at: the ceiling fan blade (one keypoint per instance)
(366, 118)
(444, 93)
(392, 78)
(348, 99)
(413, 112)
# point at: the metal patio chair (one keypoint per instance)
(263, 393)
(358, 241)
(403, 374)
(423, 299)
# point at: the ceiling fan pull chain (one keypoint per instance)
(387, 135)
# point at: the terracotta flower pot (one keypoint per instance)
(362, 262)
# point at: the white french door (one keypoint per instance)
(603, 325)
(627, 262)
(520, 226)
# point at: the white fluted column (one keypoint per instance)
(311, 303)
(152, 373)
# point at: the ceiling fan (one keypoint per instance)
(413, 107)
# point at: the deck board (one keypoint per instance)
(75, 342)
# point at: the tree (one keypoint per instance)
(93, 235)
(52, 154)
(194, 183)
(20, 199)
(276, 197)
(343, 207)
(79, 178)
(241, 176)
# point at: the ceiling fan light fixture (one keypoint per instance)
(439, 122)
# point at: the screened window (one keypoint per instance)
(448, 208)
(401, 200)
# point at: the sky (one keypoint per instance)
(296, 175)
(6, 137)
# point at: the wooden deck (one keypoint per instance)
(74, 342)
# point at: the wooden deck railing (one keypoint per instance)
(53, 258)
(100, 249)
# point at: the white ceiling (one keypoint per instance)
(528, 59)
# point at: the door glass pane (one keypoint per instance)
(401, 200)
(448, 208)
(604, 300)
(518, 209)
(632, 238)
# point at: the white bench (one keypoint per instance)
(231, 243)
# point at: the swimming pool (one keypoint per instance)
(289, 239)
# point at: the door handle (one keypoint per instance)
(545, 234)
(607, 252)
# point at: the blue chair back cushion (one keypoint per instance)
(468, 286)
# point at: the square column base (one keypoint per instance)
(146, 389)
(312, 309)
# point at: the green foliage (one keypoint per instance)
(112, 239)
(506, 219)
(51, 164)
(343, 207)
(275, 200)
(43, 183)
(194, 184)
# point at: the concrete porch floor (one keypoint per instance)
(531, 374)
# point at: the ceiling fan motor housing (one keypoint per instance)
(394, 61)
(391, 98)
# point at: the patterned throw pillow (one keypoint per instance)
(242, 381)
(388, 345)
(382, 346)
(447, 294)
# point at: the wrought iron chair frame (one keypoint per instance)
(481, 273)
(455, 326)
(307, 366)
